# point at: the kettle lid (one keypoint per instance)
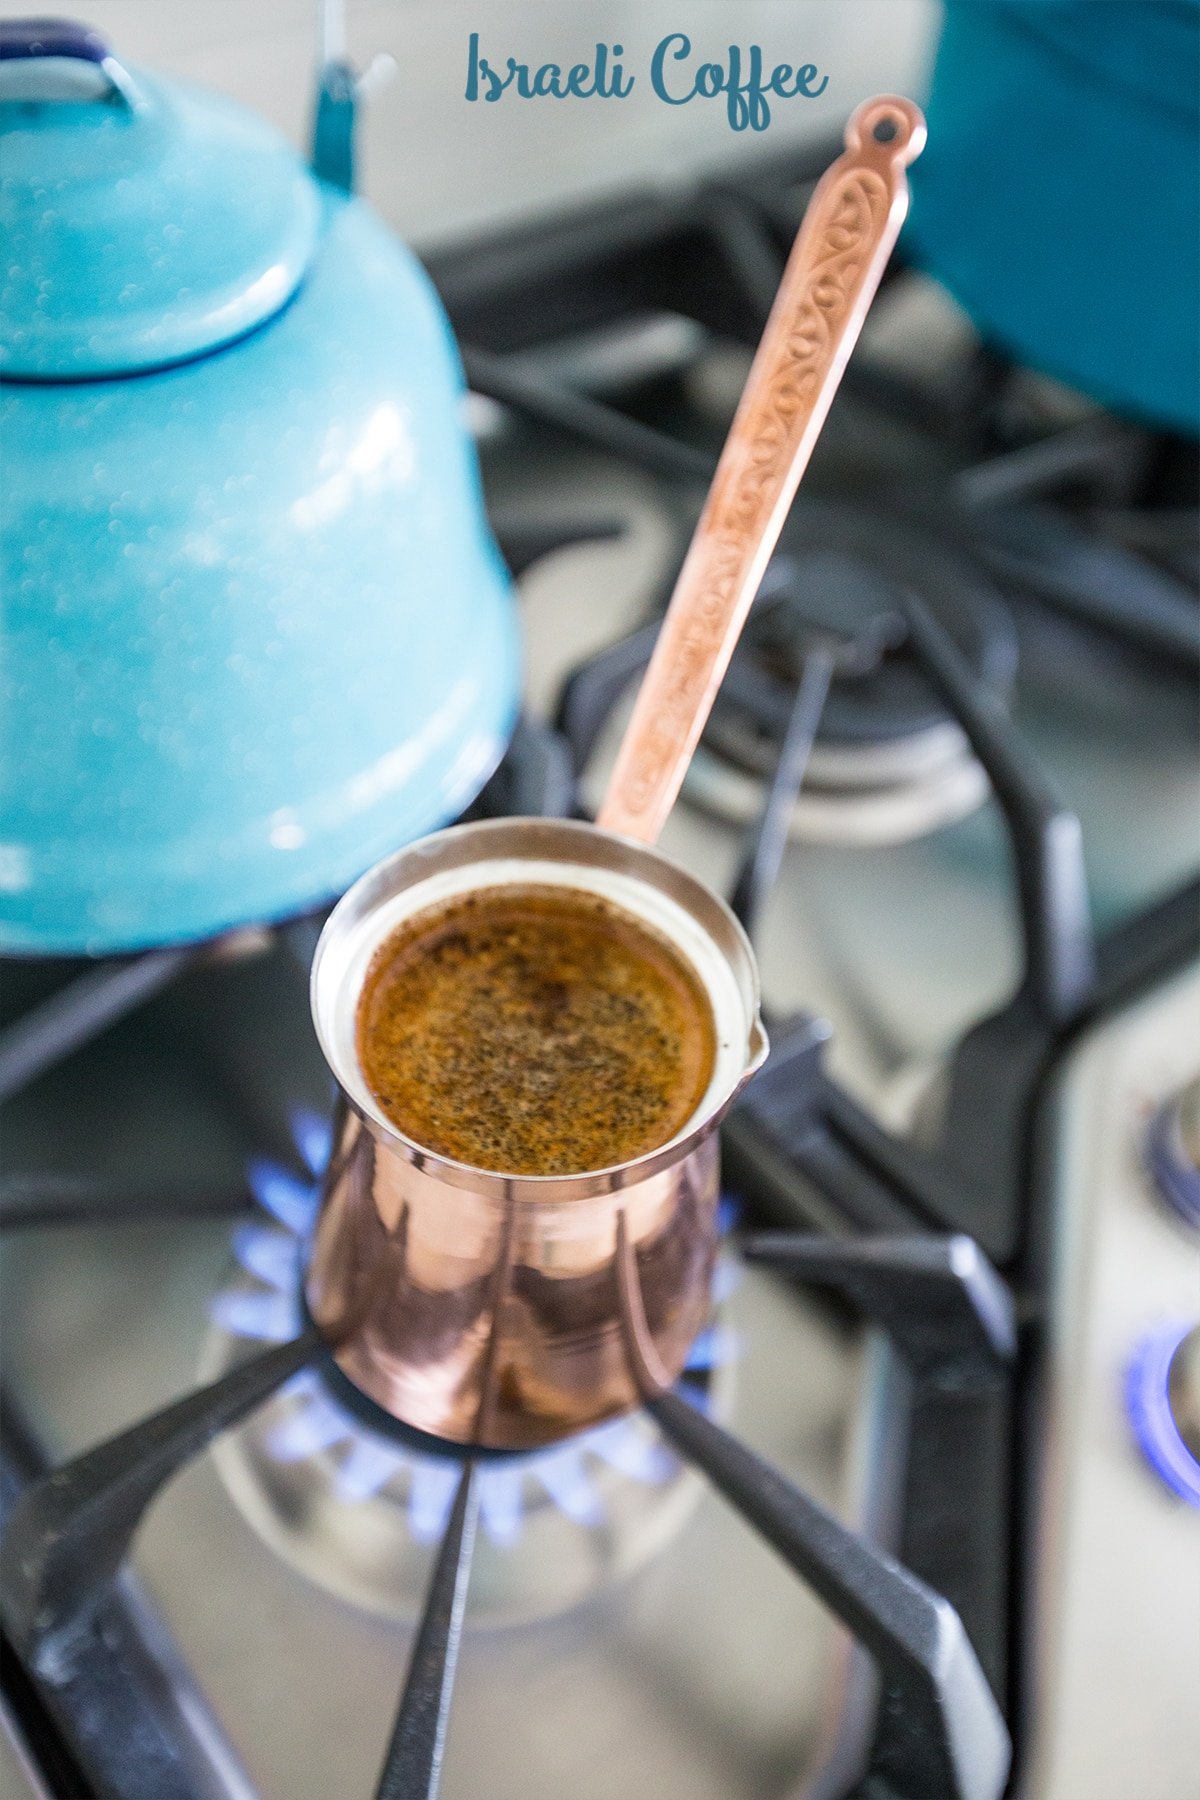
(146, 221)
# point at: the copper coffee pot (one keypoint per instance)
(504, 1312)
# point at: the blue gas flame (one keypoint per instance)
(272, 1254)
(1148, 1400)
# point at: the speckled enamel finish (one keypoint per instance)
(256, 633)
(144, 234)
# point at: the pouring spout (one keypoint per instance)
(757, 1049)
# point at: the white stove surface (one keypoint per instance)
(1116, 1647)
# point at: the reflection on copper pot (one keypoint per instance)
(484, 1308)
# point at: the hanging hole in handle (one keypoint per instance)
(889, 129)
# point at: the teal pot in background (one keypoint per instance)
(1059, 196)
(255, 629)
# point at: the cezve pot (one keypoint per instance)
(256, 633)
(486, 1308)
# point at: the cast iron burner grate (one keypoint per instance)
(933, 1289)
(933, 1244)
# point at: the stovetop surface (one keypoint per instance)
(709, 1671)
(702, 1674)
(1117, 1632)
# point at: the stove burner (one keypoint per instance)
(1162, 1393)
(357, 1508)
(888, 762)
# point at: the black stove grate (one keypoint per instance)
(71, 1529)
(911, 1238)
(948, 1313)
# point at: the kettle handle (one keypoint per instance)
(334, 118)
(29, 40)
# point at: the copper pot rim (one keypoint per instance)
(548, 1190)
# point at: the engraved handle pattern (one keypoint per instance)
(830, 280)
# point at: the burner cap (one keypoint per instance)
(839, 574)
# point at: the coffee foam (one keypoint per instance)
(343, 970)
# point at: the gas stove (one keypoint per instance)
(919, 1510)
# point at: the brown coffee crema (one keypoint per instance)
(534, 1030)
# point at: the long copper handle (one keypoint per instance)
(835, 266)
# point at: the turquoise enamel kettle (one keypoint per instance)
(256, 632)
